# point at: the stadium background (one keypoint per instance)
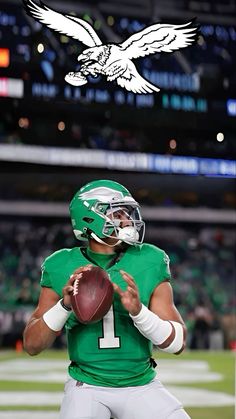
(173, 150)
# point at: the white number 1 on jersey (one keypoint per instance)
(109, 340)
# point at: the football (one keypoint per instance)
(92, 296)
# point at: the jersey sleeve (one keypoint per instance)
(45, 277)
(164, 272)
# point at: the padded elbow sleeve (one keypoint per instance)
(178, 342)
(158, 331)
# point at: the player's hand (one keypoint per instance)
(130, 297)
(68, 288)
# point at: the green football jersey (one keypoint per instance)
(111, 352)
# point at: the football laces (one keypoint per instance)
(76, 284)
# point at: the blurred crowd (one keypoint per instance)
(105, 135)
(202, 266)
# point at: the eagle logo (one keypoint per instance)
(114, 61)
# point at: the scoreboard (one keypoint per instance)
(34, 61)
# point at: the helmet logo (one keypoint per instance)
(102, 194)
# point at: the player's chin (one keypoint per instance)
(112, 241)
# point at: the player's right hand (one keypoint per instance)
(68, 288)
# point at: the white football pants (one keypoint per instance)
(151, 401)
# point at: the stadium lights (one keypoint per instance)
(61, 126)
(40, 48)
(23, 123)
(97, 24)
(172, 144)
(201, 41)
(64, 39)
(220, 137)
(4, 57)
(231, 107)
(110, 20)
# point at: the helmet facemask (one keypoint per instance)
(123, 221)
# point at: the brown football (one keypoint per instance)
(92, 296)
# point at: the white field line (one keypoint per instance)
(169, 372)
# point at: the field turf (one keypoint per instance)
(218, 362)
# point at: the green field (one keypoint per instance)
(218, 362)
(224, 363)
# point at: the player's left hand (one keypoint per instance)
(130, 297)
(69, 287)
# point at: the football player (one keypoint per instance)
(111, 372)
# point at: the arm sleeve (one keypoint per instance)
(164, 272)
(45, 278)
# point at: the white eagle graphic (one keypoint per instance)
(114, 61)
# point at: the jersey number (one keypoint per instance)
(109, 340)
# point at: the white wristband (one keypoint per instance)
(151, 326)
(56, 317)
